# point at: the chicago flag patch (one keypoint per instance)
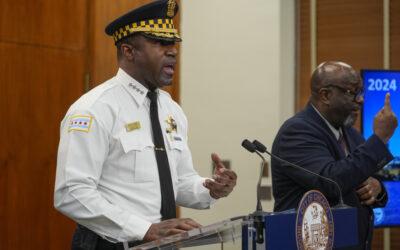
(80, 123)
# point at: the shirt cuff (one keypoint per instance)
(134, 229)
(381, 196)
(379, 151)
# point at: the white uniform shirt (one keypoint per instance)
(107, 176)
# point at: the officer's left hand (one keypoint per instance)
(223, 181)
(369, 190)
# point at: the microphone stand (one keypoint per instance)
(261, 148)
(262, 164)
(258, 215)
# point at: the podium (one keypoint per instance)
(278, 229)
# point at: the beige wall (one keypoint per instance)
(237, 81)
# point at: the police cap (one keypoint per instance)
(154, 20)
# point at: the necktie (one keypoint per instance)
(167, 191)
(342, 143)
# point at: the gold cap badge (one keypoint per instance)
(171, 8)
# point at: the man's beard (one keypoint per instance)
(350, 120)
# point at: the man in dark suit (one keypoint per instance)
(321, 139)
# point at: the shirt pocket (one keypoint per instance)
(175, 155)
(144, 165)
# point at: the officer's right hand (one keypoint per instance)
(169, 227)
(385, 121)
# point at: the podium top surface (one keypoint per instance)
(223, 231)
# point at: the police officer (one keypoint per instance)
(123, 159)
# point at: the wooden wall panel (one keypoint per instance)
(103, 62)
(42, 63)
(60, 24)
(350, 31)
(342, 34)
(303, 52)
(37, 86)
(395, 238)
(377, 241)
(395, 34)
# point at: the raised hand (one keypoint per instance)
(223, 180)
(169, 227)
(385, 121)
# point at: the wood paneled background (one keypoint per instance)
(350, 31)
(42, 65)
(48, 50)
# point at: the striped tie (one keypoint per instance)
(342, 143)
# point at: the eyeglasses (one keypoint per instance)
(355, 95)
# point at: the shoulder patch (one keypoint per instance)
(80, 123)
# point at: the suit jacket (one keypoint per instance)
(306, 140)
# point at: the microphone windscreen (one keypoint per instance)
(259, 146)
(248, 145)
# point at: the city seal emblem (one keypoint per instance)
(314, 222)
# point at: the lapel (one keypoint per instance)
(330, 139)
(351, 144)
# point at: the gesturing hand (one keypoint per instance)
(369, 190)
(385, 121)
(169, 227)
(223, 180)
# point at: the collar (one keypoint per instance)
(137, 90)
(335, 131)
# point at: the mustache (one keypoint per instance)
(170, 61)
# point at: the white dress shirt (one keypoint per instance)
(107, 176)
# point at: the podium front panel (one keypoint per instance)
(280, 230)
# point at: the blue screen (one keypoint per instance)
(390, 214)
(376, 84)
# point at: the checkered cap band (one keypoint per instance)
(157, 27)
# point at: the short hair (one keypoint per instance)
(332, 72)
(127, 40)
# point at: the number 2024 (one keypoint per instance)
(382, 85)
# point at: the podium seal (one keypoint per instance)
(314, 222)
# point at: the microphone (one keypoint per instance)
(263, 149)
(258, 214)
(249, 146)
(252, 149)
